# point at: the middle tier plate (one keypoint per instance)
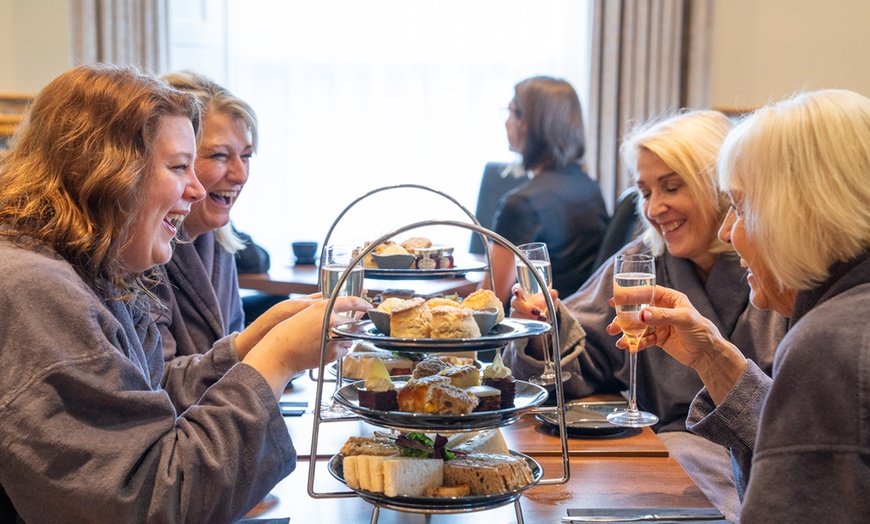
(507, 330)
(528, 396)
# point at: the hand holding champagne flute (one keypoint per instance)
(634, 281)
(539, 256)
(334, 261)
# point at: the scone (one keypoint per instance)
(440, 301)
(414, 242)
(411, 319)
(483, 298)
(453, 322)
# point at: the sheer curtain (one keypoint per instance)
(132, 32)
(649, 57)
(353, 96)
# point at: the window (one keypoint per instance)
(352, 96)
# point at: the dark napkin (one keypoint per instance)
(256, 520)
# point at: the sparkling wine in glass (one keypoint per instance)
(538, 255)
(333, 263)
(634, 281)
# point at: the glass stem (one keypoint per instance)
(632, 380)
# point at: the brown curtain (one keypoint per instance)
(124, 32)
(649, 57)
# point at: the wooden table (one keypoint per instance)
(286, 280)
(632, 470)
(595, 482)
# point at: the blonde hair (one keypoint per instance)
(80, 163)
(688, 143)
(802, 167)
(216, 99)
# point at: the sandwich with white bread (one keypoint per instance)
(427, 467)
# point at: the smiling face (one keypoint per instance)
(670, 207)
(222, 168)
(171, 188)
(764, 292)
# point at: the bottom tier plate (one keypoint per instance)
(440, 504)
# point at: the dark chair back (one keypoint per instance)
(492, 187)
(623, 227)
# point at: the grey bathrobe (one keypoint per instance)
(200, 292)
(93, 431)
(805, 435)
(664, 386)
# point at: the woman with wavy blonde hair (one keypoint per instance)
(673, 165)
(99, 178)
(797, 175)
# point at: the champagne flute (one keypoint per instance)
(334, 261)
(634, 281)
(538, 255)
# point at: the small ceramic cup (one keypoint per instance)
(305, 252)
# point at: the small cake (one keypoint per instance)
(411, 319)
(416, 393)
(379, 392)
(435, 395)
(497, 375)
(453, 322)
(488, 398)
(429, 366)
(355, 365)
(462, 376)
(450, 400)
(483, 298)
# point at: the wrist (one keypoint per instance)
(720, 369)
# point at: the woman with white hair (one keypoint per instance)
(673, 165)
(797, 174)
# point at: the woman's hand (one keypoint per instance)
(677, 327)
(533, 309)
(294, 344)
(276, 314)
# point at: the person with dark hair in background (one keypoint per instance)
(561, 205)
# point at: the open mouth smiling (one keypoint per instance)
(225, 198)
(670, 226)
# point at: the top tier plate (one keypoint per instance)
(465, 266)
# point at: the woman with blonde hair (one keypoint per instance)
(797, 175)
(99, 177)
(673, 166)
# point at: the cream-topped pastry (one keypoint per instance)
(379, 393)
(497, 369)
